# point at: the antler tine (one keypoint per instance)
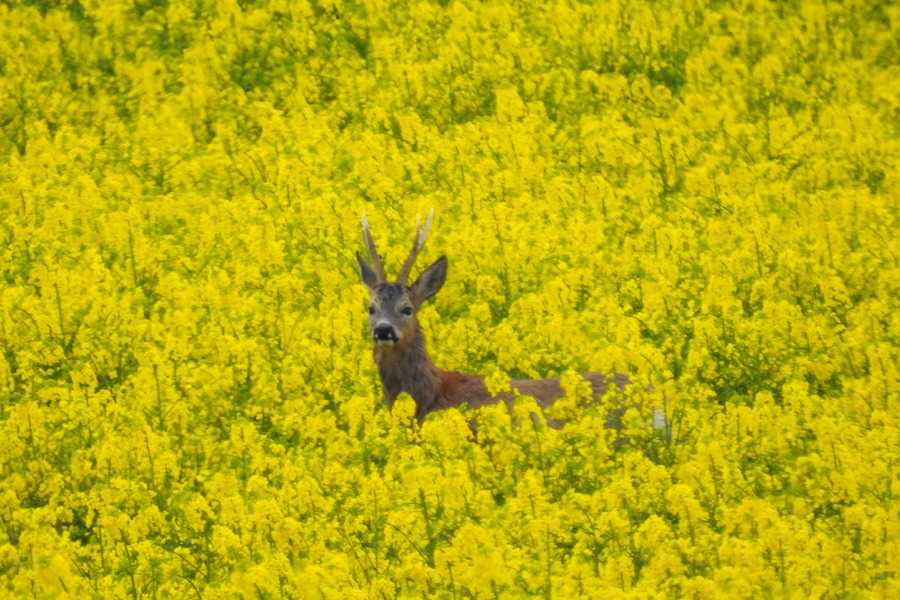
(373, 252)
(418, 242)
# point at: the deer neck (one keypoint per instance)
(408, 368)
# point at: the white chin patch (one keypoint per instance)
(385, 342)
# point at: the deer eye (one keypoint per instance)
(371, 310)
(407, 310)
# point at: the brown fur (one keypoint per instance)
(408, 368)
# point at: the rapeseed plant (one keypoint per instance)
(701, 195)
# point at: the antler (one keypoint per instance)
(377, 265)
(418, 242)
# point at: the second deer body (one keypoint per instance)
(399, 345)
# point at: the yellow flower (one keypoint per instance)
(703, 199)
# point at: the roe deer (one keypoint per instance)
(398, 344)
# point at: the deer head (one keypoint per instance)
(393, 305)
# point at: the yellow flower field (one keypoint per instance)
(705, 196)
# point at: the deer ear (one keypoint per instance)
(431, 280)
(366, 273)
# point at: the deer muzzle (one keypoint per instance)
(384, 334)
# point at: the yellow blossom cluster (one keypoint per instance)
(702, 195)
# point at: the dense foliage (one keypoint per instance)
(702, 195)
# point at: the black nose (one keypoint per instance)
(384, 333)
